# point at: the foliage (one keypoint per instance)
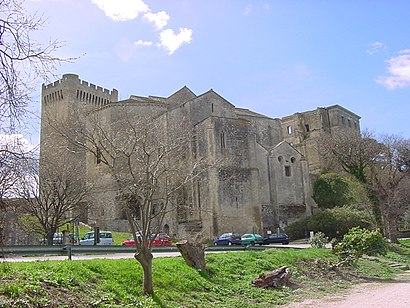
(318, 240)
(334, 223)
(331, 190)
(358, 242)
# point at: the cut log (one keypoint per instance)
(274, 279)
(193, 254)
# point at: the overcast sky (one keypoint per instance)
(273, 57)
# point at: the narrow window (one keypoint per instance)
(289, 130)
(349, 123)
(287, 171)
(223, 140)
(307, 128)
(212, 107)
(343, 120)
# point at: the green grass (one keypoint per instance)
(117, 283)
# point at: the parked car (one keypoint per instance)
(276, 238)
(105, 238)
(251, 239)
(228, 239)
(161, 239)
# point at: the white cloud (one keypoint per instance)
(375, 48)
(171, 41)
(159, 19)
(399, 72)
(16, 143)
(122, 10)
(142, 43)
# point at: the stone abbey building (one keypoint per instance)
(261, 168)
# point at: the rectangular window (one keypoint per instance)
(289, 130)
(287, 171)
(223, 140)
(307, 128)
(343, 120)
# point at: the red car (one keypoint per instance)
(162, 239)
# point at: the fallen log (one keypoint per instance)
(274, 279)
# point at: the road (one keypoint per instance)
(394, 294)
(122, 255)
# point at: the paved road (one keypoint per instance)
(123, 255)
(367, 295)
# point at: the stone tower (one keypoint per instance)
(65, 103)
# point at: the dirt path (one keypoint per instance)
(395, 294)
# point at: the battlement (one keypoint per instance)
(81, 89)
(74, 79)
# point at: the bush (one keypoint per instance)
(319, 240)
(334, 223)
(358, 242)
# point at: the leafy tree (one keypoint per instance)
(331, 190)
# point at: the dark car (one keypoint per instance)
(276, 238)
(228, 239)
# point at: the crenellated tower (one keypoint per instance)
(65, 104)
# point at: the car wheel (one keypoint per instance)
(229, 243)
(215, 244)
(252, 243)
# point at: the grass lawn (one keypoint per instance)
(117, 283)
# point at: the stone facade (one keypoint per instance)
(259, 167)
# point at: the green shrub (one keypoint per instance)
(319, 240)
(334, 223)
(331, 190)
(358, 242)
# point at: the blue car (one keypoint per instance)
(228, 239)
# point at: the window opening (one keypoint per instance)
(289, 130)
(223, 140)
(287, 171)
(307, 128)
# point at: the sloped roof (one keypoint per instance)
(181, 96)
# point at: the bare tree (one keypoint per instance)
(52, 202)
(382, 166)
(389, 175)
(13, 154)
(23, 60)
(150, 167)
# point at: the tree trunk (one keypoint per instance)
(193, 254)
(49, 238)
(392, 228)
(144, 257)
(276, 278)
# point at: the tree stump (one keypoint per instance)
(193, 254)
(274, 279)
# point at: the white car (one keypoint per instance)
(105, 238)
